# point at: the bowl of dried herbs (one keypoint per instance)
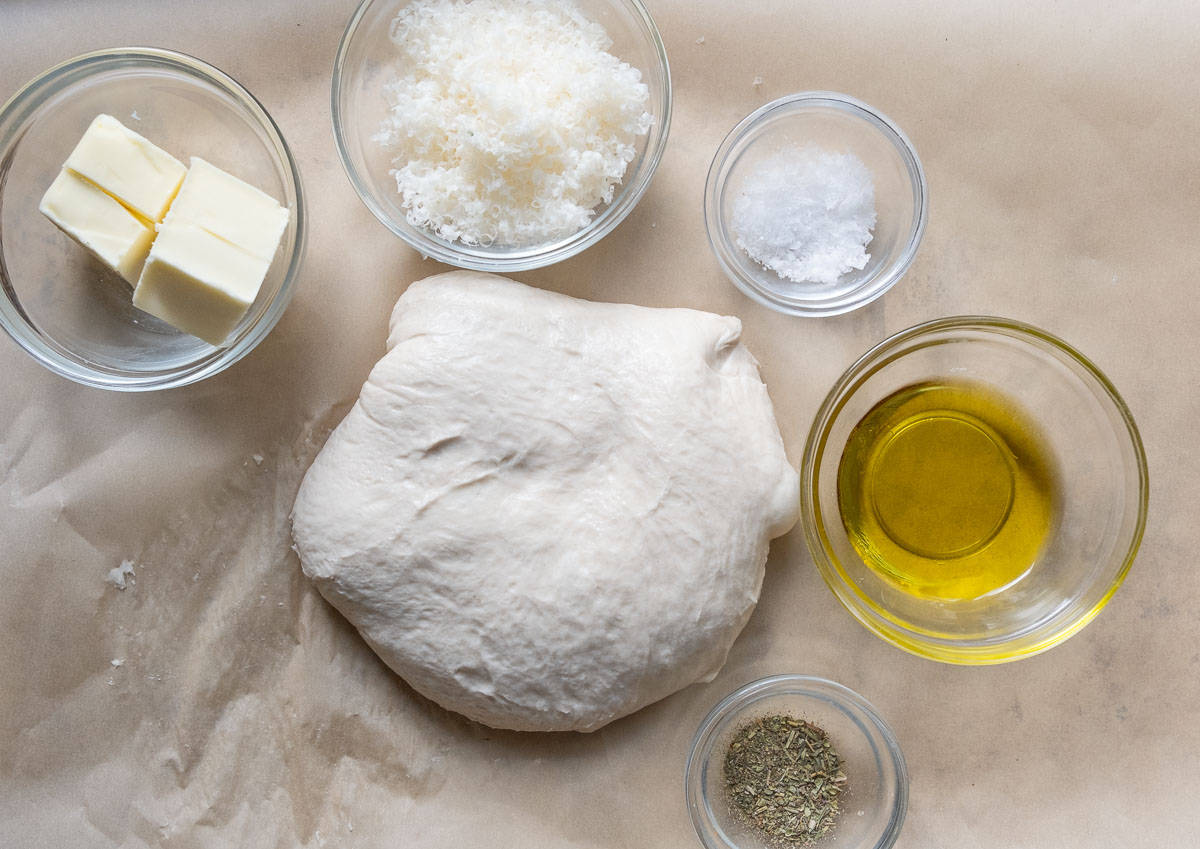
(794, 761)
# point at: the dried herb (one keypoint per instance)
(785, 778)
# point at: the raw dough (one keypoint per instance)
(545, 513)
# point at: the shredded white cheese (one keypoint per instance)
(806, 214)
(510, 122)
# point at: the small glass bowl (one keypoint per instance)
(835, 123)
(1100, 470)
(62, 306)
(876, 796)
(365, 62)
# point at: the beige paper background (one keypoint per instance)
(1059, 142)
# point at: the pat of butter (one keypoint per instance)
(230, 208)
(212, 253)
(197, 281)
(108, 230)
(136, 172)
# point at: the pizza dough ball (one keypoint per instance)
(545, 513)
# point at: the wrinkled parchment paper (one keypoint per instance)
(1060, 146)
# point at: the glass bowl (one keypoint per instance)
(834, 123)
(63, 307)
(1096, 522)
(876, 796)
(365, 63)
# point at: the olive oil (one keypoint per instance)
(947, 490)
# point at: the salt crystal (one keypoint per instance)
(258, 458)
(758, 81)
(117, 663)
(806, 214)
(700, 40)
(117, 575)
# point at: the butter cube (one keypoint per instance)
(212, 252)
(198, 282)
(139, 174)
(230, 208)
(108, 230)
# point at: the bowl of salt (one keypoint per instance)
(815, 204)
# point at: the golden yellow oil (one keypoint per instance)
(947, 490)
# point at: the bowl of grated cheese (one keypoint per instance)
(501, 135)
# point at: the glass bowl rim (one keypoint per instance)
(884, 278)
(799, 685)
(963, 652)
(478, 258)
(29, 100)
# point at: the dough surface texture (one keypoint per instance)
(546, 513)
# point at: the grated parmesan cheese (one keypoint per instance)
(510, 122)
(806, 214)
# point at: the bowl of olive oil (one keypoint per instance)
(974, 490)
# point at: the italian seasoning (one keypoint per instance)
(785, 779)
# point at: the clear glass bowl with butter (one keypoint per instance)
(366, 61)
(62, 306)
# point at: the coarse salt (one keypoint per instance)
(510, 122)
(806, 214)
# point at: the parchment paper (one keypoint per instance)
(1060, 146)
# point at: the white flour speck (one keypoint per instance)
(121, 576)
